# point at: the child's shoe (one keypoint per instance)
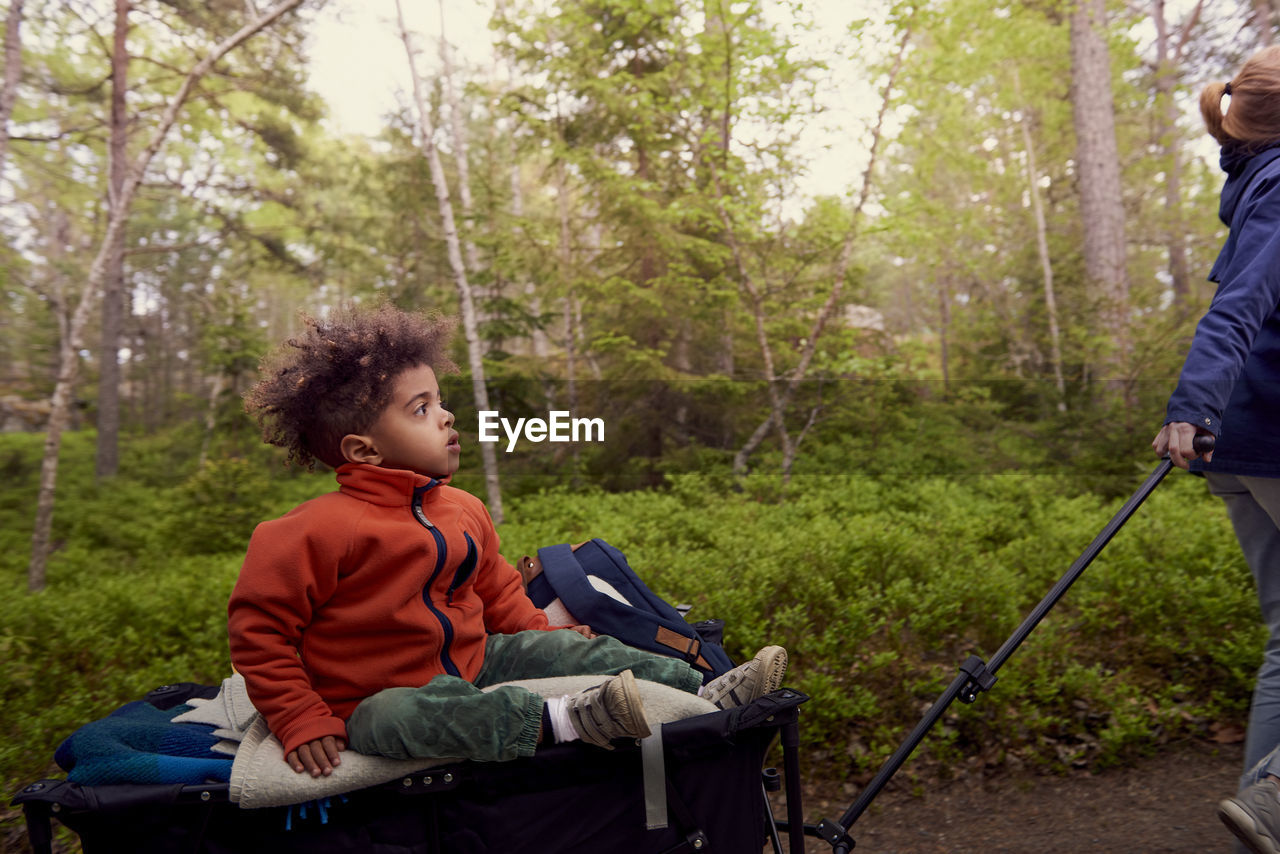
(1254, 816)
(744, 683)
(610, 710)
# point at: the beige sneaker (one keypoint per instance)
(610, 710)
(1254, 816)
(744, 683)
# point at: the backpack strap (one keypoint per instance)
(567, 576)
(530, 566)
(688, 648)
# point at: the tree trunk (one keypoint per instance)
(944, 332)
(108, 461)
(216, 387)
(539, 342)
(12, 73)
(458, 128)
(470, 327)
(1098, 170)
(73, 341)
(1167, 115)
(1042, 247)
(1265, 15)
(565, 258)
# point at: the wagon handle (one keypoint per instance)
(976, 675)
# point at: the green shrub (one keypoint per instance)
(881, 587)
(215, 510)
(878, 585)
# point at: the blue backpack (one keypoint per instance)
(596, 587)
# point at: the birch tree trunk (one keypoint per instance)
(73, 341)
(1265, 15)
(945, 288)
(113, 298)
(216, 386)
(540, 343)
(470, 327)
(1167, 62)
(12, 74)
(784, 398)
(1098, 170)
(458, 128)
(1042, 248)
(565, 257)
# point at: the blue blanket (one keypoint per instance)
(138, 743)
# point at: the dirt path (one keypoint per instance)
(1166, 803)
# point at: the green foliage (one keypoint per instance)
(939, 489)
(881, 585)
(137, 586)
(878, 584)
(216, 508)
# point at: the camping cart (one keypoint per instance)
(698, 784)
(704, 794)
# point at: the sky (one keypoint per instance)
(358, 65)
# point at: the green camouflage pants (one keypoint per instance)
(451, 718)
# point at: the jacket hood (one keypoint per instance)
(1234, 159)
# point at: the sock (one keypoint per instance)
(557, 712)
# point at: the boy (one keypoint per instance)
(372, 616)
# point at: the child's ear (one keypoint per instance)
(358, 448)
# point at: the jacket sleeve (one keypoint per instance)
(288, 571)
(507, 608)
(1248, 294)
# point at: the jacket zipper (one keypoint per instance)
(441, 555)
(465, 569)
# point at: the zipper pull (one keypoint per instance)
(419, 493)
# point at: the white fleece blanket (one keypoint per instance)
(231, 713)
(260, 777)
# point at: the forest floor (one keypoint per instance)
(1164, 803)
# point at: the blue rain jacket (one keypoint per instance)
(1230, 382)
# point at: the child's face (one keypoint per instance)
(415, 431)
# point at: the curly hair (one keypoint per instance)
(337, 376)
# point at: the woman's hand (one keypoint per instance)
(1175, 439)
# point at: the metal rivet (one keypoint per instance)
(697, 844)
(204, 796)
(56, 808)
(427, 781)
(407, 782)
(448, 778)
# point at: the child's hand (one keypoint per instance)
(317, 757)
(585, 631)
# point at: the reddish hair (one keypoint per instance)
(1253, 116)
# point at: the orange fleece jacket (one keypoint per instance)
(352, 592)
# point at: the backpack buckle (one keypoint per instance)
(687, 648)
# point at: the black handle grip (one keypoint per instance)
(1202, 443)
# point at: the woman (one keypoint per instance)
(1230, 387)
